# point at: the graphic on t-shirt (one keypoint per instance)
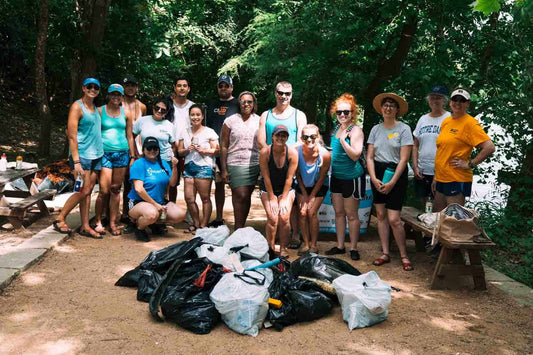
(221, 111)
(393, 135)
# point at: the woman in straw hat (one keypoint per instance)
(389, 148)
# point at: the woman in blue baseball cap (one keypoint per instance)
(86, 150)
(117, 139)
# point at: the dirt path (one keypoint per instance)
(68, 304)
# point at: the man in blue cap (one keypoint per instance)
(217, 111)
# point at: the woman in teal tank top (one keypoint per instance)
(117, 139)
(85, 145)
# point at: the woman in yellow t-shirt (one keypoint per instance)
(459, 134)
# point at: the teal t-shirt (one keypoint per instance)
(114, 132)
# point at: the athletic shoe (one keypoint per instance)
(354, 254)
(141, 235)
(215, 223)
(335, 251)
(158, 229)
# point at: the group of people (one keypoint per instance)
(234, 145)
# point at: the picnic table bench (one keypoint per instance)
(16, 211)
(474, 268)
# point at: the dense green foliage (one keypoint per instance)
(323, 47)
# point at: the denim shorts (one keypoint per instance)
(87, 164)
(198, 171)
(116, 159)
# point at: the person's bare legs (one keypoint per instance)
(175, 214)
(203, 186)
(241, 198)
(144, 214)
(284, 227)
(459, 199)
(189, 191)
(304, 221)
(340, 219)
(114, 198)
(440, 202)
(220, 197)
(104, 181)
(383, 227)
(351, 206)
(90, 178)
(397, 230)
(272, 222)
(312, 217)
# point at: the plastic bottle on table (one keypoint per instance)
(429, 205)
(3, 162)
(18, 165)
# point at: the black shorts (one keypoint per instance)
(353, 187)
(454, 188)
(321, 193)
(423, 186)
(396, 197)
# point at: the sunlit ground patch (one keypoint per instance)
(33, 278)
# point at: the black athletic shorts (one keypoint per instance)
(321, 193)
(353, 187)
(396, 197)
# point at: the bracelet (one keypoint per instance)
(76, 161)
(132, 157)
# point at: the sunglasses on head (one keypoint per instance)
(92, 86)
(246, 102)
(343, 112)
(312, 136)
(458, 98)
(284, 93)
(160, 109)
(152, 149)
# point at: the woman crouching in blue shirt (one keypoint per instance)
(150, 177)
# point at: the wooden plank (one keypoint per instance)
(12, 174)
(5, 211)
(31, 200)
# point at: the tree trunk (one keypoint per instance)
(521, 184)
(388, 68)
(40, 81)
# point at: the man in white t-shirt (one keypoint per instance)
(425, 137)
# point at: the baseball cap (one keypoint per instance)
(129, 79)
(91, 81)
(225, 79)
(280, 128)
(150, 142)
(439, 90)
(116, 88)
(461, 92)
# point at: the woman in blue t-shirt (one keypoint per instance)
(150, 176)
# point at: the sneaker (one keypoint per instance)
(354, 255)
(215, 223)
(130, 228)
(158, 229)
(335, 250)
(141, 235)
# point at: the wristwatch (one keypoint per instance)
(471, 165)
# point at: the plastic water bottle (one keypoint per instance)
(78, 183)
(429, 205)
(387, 176)
(3, 162)
(163, 216)
(18, 165)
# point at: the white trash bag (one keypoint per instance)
(215, 236)
(217, 255)
(255, 245)
(365, 299)
(242, 302)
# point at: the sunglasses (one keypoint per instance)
(246, 102)
(343, 112)
(92, 87)
(152, 149)
(313, 137)
(160, 109)
(282, 93)
(389, 106)
(458, 98)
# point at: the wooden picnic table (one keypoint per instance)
(17, 211)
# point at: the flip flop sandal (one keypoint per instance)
(116, 231)
(191, 230)
(407, 266)
(58, 229)
(381, 260)
(89, 235)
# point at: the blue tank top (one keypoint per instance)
(290, 122)
(342, 166)
(90, 134)
(114, 132)
(310, 173)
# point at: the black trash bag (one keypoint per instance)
(148, 282)
(186, 300)
(129, 279)
(302, 300)
(160, 260)
(322, 267)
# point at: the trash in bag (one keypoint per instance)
(246, 264)
(186, 301)
(160, 260)
(365, 299)
(148, 282)
(215, 236)
(321, 267)
(302, 300)
(242, 301)
(217, 255)
(129, 279)
(249, 243)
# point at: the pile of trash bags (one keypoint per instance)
(221, 277)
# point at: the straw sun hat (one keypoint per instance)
(401, 102)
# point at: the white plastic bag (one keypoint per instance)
(215, 254)
(365, 299)
(242, 305)
(266, 271)
(255, 245)
(215, 236)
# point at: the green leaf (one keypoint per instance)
(486, 6)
